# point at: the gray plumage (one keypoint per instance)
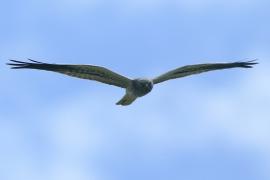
(134, 88)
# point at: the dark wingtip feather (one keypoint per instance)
(35, 61)
(16, 61)
(247, 64)
(15, 64)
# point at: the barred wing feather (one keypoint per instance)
(200, 68)
(90, 72)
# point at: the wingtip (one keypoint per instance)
(254, 61)
(9, 64)
(15, 64)
(248, 64)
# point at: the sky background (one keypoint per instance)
(211, 126)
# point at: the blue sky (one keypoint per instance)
(206, 127)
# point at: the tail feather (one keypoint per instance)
(126, 100)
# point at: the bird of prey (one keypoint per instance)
(134, 87)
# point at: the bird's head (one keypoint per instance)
(142, 86)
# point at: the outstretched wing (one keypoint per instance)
(90, 72)
(199, 68)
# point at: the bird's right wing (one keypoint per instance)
(90, 72)
(200, 68)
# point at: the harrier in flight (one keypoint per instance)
(134, 87)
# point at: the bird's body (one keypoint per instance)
(141, 87)
(137, 88)
(134, 88)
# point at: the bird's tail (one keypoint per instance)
(127, 100)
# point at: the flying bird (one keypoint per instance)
(135, 88)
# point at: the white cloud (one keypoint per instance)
(244, 110)
(68, 171)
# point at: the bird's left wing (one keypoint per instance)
(90, 72)
(199, 68)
